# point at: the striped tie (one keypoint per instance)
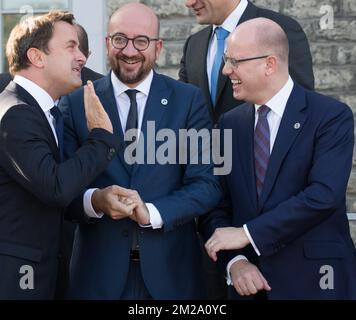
(262, 147)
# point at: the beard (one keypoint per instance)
(131, 77)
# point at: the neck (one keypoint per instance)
(41, 82)
(274, 86)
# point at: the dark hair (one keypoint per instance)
(83, 40)
(33, 32)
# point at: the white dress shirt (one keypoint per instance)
(123, 106)
(229, 24)
(277, 105)
(44, 100)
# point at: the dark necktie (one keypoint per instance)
(261, 147)
(132, 123)
(59, 127)
(132, 118)
(221, 35)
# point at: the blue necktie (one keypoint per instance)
(221, 35)
(59, 127)
(261, 147)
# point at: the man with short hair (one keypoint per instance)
(152, 253)
(202, 63)
(282, 231)
(36, 184)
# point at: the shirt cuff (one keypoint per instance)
(88, 207)
(251, 240)
(156, 221)
(232, 261)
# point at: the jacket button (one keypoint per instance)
(111, 153)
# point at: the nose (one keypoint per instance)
(129, 50)
(189, 3)
(227, 70)
(81, 57)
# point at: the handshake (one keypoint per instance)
(119, 203)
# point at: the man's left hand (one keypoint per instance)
(226, 239)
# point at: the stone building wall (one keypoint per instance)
(330, 26)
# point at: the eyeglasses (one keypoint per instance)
(235, 62)
(140, 43)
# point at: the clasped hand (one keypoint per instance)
(118, 203)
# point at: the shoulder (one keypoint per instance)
(178, 86)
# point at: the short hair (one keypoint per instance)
(33, 32)
(83, 40)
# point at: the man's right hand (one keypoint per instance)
(247, 279)
(94, 110)
(108, 202)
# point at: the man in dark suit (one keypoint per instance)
(154, 252)
(35, 184)
(282, 229)
(197, 63)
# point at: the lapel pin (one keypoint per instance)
(297, 125)
(164, 102)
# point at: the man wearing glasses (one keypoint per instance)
(152, 253)
(281, 231)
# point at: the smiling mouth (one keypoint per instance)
(236, 81)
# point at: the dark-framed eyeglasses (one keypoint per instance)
(140, 43)
(235, 62)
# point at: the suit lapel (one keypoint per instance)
(291, 125)
(105, 92)
(157, 103)
(201, 58)
(245, 136)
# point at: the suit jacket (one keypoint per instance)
(170, 260)
(34, 189)
(300, 223)
(5, 79)
(89, 74)
(193, 63)
(68, 226)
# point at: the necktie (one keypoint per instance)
(221, 35)
(59, 127)
(132, 117)
(132, 123)
(261, 147)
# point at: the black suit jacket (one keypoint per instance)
(193, 63)
(34, 189)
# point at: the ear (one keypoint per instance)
(159, 46)
(271, 65)
(108, 44)
(36, 57)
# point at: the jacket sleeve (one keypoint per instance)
(26, 156)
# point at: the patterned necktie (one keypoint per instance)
(221, 35)
(59, 127)
(261, 147)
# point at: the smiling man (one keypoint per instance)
(154, 252)
(35, 183)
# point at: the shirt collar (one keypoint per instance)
(234, 17)
(40, 95)
(119, 87)
(279, 101)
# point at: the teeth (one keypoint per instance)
(236, 81)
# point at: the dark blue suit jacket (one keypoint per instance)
(299, 225)
(170, 259)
